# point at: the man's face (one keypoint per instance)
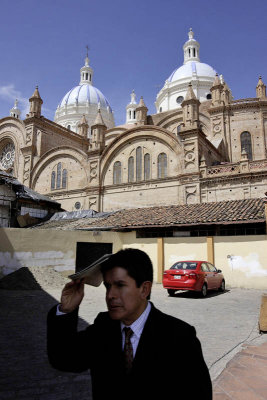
(125, 301)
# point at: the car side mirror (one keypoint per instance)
(219, 270)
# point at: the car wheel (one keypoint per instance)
(204, 290)
(222, 287)
(171, 292)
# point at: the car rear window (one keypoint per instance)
(184, 265)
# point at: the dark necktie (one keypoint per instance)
(128, 349)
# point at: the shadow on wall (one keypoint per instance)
(25, 372)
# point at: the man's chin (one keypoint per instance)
(115, 314)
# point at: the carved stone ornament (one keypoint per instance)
(190, 156)
(217, 128)
(28, 135)
(26, 169)
(93, 170)
(191, 199)
(92, 202)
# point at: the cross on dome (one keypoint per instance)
(86, 62)
(191, 34)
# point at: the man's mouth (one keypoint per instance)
(112, 307)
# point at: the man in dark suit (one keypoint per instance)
(159, 357)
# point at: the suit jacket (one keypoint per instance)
(168, 360)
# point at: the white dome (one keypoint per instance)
(192, 69)
(199, 74)
(83, 100)
(85, 94)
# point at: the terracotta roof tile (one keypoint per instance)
(224, 212)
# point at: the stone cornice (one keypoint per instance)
(241, 176)
(239, 105)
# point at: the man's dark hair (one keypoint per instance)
(136, 262)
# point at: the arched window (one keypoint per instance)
(162, 165)
(245, 139)
(131, 169)
(179, 129)
(117, 172)
(59, 175)
(68, 127)
(139, 164)
(147, 166)
(53, 180)
(134, 114)
(64, 178)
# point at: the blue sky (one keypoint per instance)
(133, 45)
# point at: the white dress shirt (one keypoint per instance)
(137, 328)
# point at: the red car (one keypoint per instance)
(199, 276)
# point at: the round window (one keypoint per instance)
(7, 156)
(179, 99)
(77, 205)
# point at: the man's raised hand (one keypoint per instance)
(71, 296)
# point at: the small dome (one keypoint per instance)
(192, 69)
(85, 94)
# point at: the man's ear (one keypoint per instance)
(146, 288)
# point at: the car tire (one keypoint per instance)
(171, 292)
(204, 290)
(222, 287)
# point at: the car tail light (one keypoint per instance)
(193, 275)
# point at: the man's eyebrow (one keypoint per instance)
(119, 281)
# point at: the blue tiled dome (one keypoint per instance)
(85, 94)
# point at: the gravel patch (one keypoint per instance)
(33, 278)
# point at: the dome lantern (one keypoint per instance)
(131, 110)
(15, 111)
(86, 71)
(191, 48)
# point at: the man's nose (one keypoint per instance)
(111, 292)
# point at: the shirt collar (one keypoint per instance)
(138, 325)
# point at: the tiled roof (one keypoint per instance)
(224, 212)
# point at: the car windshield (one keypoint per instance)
(184, 265)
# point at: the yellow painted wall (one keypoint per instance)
(247, 266)
(149, 245)
(184, 248)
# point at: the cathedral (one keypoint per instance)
(200, 146)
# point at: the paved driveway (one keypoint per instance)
(223, 322)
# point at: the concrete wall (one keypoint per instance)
(241, 258)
